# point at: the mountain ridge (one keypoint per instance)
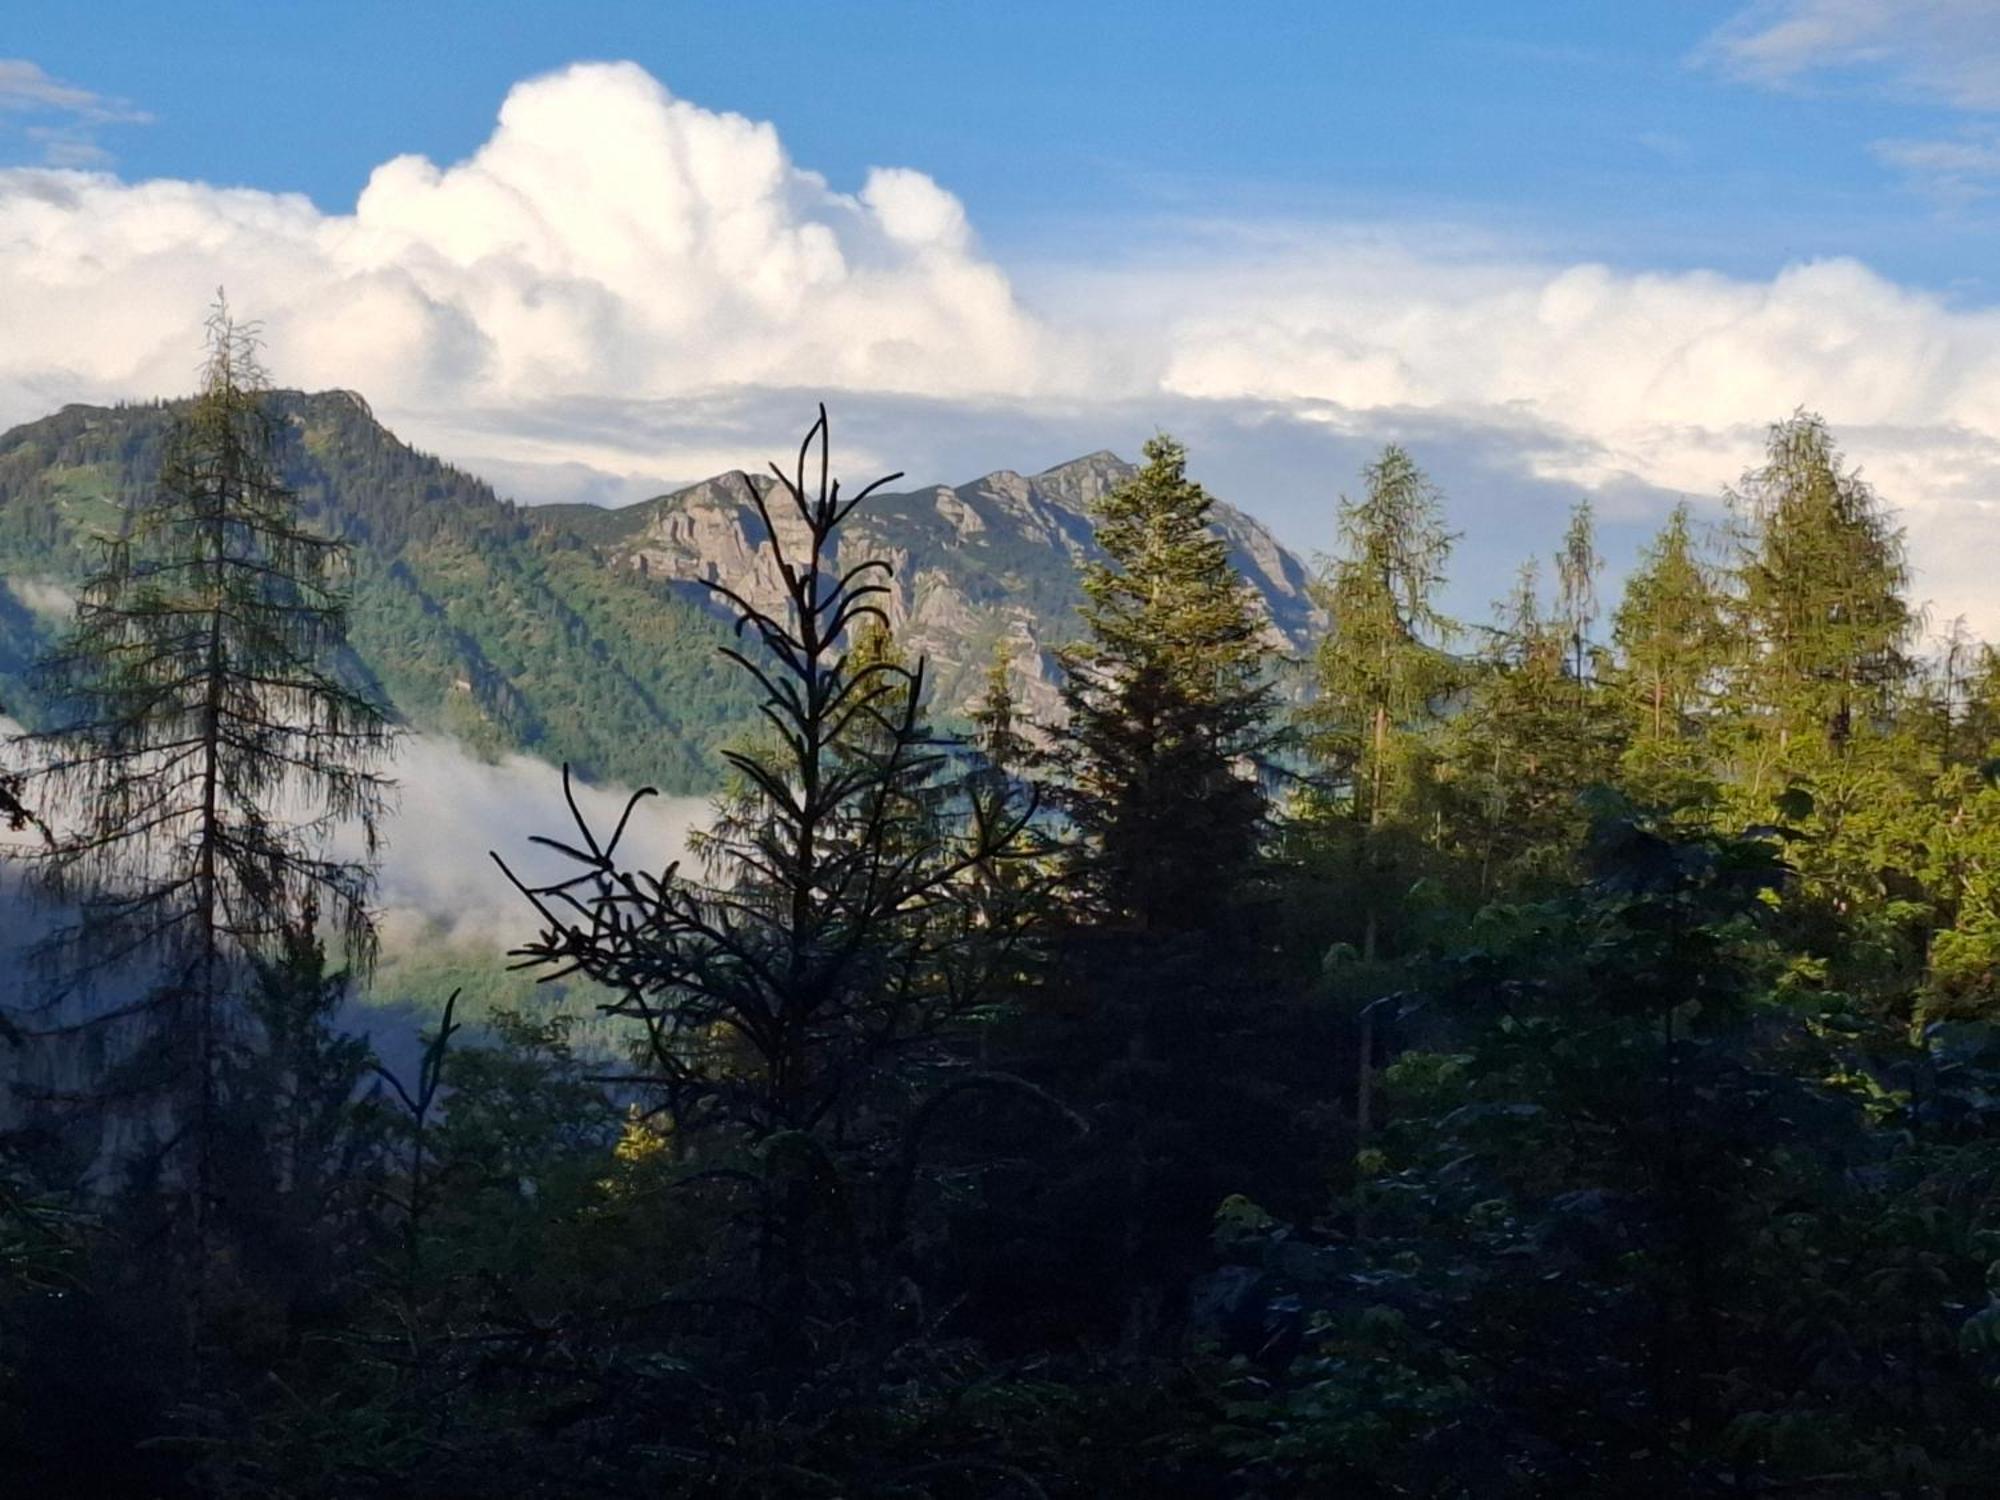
(584, 634)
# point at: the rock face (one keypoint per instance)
(996, 563)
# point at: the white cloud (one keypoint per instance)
(607, 239)
(1650, 371)
(42, 596)
(1947, 50)
(453, 808)
(621, 289)
(1955, 169)
(67, 117)
(1640, 385)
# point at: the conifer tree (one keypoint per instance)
(1669, 629)
(1168, 708)
(1381, 666)
(1816, 723)
(1524, 749)
(831, 948)
(1673, 640)
(996, 720)
(1577, 566)
(203, 751)
(1822, 588)
(1382, 673)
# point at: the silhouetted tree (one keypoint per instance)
(832, 940)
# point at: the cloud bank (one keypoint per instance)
(435, 878)
(621, 289)
(607, 239)
(453, 808)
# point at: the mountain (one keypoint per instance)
(995, 561)
(471, 615)
(580, 634)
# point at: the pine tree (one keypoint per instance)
(1168, 708)
(204, 752)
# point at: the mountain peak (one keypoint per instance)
(1079, 483)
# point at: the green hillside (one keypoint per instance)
(475, 617)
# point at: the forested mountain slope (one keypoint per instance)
(578, 634)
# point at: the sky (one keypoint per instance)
(1560, 250)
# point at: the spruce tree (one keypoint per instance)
(1168, 709)
(202, 751)
(1381, 674)
(833, 946)
(1822, 588)
(1523, 750)
(1381, 667)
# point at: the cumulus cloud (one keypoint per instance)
(621, 290)
(1640, 374)
(607, 238)
(1636, 387)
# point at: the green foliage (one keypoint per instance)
(1598, 1094)
(1822, 591)
(1673, 639)
(1167, 707)
(472, 616)
(1530, 738)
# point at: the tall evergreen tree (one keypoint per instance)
(1822, 587)
(204, 751)
(1672, 637)
(1577, 567)
(996, 719)
(1669, 629)
(1523, 750)
(1382, 675)
(1381, 666)
(1168, 708)
(1816, 724)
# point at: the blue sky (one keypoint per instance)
(1593, 130)
(1564, 250)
